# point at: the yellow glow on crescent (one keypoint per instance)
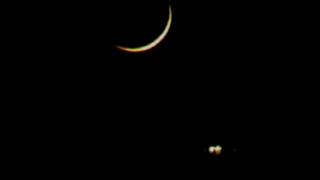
(153, 43)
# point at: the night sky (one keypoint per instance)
(207, 83)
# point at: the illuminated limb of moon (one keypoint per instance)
(153, 43)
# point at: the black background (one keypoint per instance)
(215, 80)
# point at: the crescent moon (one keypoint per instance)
(154, 43)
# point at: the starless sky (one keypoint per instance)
(202, 86)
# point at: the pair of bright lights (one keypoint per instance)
(215, 150)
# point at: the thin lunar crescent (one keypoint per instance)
(153, 43)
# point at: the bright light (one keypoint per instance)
(215, 150)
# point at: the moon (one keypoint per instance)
(152, 44)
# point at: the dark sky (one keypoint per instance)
(207, 83)
(198, 87)
(228, 73)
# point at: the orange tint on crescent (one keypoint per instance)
(154, 43)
